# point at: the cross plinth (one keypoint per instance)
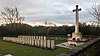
(77, 34)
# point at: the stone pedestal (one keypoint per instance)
(77, 36)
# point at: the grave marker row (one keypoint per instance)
(38, 41)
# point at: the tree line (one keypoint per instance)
(25, 29)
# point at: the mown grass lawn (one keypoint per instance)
(23, 50)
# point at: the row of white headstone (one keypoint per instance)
(38, 41)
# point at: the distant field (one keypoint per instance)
(23, 50)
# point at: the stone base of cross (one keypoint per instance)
(77, 36)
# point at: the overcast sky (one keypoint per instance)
(56, 11)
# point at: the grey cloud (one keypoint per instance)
(59, 11)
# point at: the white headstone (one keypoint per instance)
(38, 42)
(4, 38)
(14, 40)
(23, 40)
(36, 38)
(44, 37)
(52, 44)
(30, 40)
(26, 40)
(41, 42)
(19, 39)
(44, 43)
(48, 44)
(33, 40)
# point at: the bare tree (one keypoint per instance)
(11, 15)
(95, 12)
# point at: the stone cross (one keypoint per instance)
(77, 19)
